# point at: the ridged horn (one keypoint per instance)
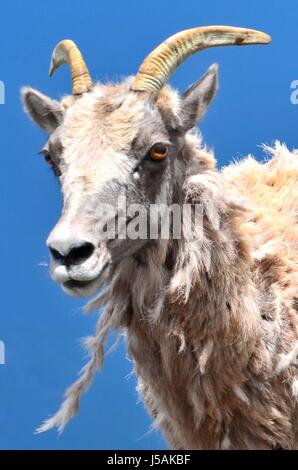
(66, 52)
(163, 61)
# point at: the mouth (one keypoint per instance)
(72, 284)
(79, 288)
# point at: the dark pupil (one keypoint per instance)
(161, 150)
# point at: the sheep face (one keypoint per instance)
(115, 152)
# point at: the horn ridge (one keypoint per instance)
(159, 65)
(67, 52)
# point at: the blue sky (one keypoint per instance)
(39, 325)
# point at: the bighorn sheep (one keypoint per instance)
(211, 324)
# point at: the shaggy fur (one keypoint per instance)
(214, 340)
(212, 327)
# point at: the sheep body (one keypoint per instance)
(217, 366)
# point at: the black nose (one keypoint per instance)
(74, 255)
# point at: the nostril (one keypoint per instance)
(56, 255)
(79, 254)
(71, 255)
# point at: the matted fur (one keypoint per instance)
(214, 339)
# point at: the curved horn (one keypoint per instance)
(66, 52)
(163, 61)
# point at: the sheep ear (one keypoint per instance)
(44, 111)
(197, 98)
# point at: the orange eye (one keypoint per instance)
(48, 159)
(158, 152)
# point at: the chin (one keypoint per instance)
(80, 288)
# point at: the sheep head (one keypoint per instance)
(120, 143)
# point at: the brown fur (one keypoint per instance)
(208, 368)
(212, 328)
